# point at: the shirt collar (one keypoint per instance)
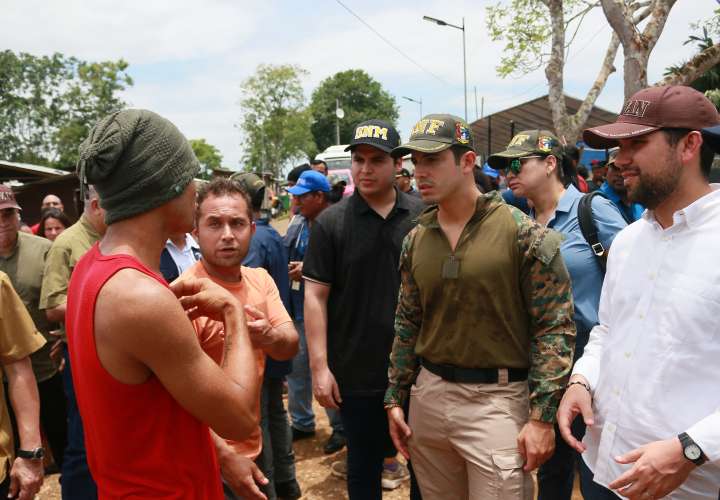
(696, 212)
(189, 243)
(610, 192)
(566, 201)
(484, 204)
(361, 206)
(85, 223)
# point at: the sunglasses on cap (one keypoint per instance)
(515, 165)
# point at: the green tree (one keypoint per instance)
(538, 34)
(275, 123)
(49, 103)
(208, 156)
(361, 98)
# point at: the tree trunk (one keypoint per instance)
(637, 46)
(568, 127)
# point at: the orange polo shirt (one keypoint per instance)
(257, 289)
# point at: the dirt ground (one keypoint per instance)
(312, 469)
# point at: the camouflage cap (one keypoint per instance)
(435, 133)
(526, 143)
(253, 185)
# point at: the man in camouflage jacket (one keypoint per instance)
(484, 335)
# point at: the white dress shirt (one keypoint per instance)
(184, 258)
(653, 362)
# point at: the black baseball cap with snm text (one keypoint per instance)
(525, 143)
(376, 133)
(435, 133)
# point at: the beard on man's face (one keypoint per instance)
(650, 190)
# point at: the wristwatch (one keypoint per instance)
(691, 450)
(36, 454)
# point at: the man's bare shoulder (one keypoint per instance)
(133, 295)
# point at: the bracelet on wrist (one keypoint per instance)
(578, 382)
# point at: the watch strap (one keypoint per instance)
(35, 454)
(685, 442)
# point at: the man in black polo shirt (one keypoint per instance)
(351, 287)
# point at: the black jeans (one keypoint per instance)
(277, 458)
(592, 490)
(368, 443)
(556, 476)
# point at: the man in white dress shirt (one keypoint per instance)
(648, 383)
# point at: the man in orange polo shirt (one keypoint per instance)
(224, 230)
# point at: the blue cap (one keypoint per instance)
(489, 171)
(310, 181)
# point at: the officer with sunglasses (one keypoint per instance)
(537, 169)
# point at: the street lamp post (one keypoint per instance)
(416, 102)
(440, 22)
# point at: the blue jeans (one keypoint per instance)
(300, 395)
(368, 444)
(76, 480)
(556, 476)
(590, 489)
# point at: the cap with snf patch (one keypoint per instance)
(435, 133)
(526, 143)
(670, 106)
(376, 133)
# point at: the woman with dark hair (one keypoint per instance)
(52, 223)
(538, 169)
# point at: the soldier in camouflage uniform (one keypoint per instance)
(483, 330)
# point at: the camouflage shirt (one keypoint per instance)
(505, 303)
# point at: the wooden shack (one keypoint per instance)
(494, 132)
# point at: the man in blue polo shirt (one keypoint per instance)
(614, 190)
(310, 197)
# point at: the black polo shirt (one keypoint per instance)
(355, 251)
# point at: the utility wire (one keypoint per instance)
(392, 44)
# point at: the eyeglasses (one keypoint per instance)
(516, 164)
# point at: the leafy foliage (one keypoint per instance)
(49, 103)
(524, 27)
(208, 156)
(361, 98)
(275, 123)
(710, 80)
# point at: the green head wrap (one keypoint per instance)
(137, 161)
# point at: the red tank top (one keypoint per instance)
(140, 442)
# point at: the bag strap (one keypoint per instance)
(589, 228)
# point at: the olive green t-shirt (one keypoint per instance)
(25, 268)
(66, 251)
(18, 339)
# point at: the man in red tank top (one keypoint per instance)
(146, 390)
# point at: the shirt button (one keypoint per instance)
(641, 316)
(628, 354)
(651, 276)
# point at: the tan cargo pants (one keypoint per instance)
(463, 443)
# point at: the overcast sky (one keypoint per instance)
(188, 58)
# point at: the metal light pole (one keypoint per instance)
(416, 102)
(440, 22)
(339, 115)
